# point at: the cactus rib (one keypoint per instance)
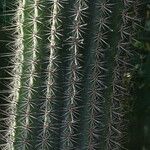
(75, 42)
(16, 75)
(97, 85)
(117, 133)
(48, 126)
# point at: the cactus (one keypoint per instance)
(71, 64)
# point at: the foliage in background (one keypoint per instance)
(140, 118)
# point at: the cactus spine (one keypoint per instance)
(89, 55)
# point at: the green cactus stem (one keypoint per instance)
(71, 65)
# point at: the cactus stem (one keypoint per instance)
(70, 65)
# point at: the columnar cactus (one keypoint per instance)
(72, 64)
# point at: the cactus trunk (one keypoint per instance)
(71, 76)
